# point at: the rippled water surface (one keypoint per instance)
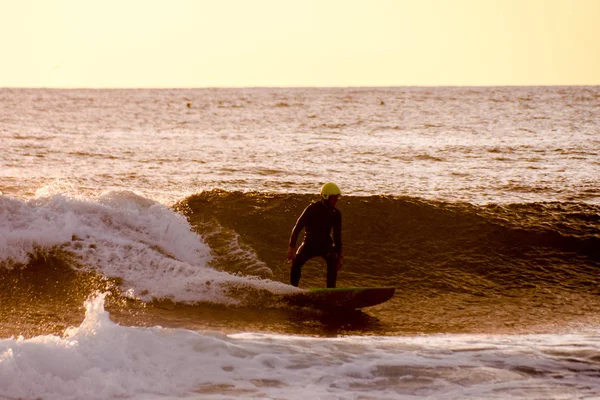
(472, 144)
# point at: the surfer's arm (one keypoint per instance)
(297, 229)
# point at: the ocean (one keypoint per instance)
(143, 243)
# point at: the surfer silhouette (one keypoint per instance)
(318, 220)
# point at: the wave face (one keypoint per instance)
(456, 266)
(425, 245)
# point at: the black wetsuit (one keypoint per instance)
(318, 220)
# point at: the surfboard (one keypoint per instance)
(349, 298)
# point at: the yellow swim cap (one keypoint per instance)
(329, 189)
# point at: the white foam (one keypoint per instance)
(102, 360)
(121, 234)
(23, 226)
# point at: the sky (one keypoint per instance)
(298, 43)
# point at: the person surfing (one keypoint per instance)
(318, 220)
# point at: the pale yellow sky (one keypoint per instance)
(244, 43)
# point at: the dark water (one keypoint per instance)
(457, 267)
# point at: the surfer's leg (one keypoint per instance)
(331, 259)
(302, 256)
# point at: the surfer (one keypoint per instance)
(318, 220)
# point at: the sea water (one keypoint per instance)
(143, 236)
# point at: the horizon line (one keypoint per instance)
(291, 87)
